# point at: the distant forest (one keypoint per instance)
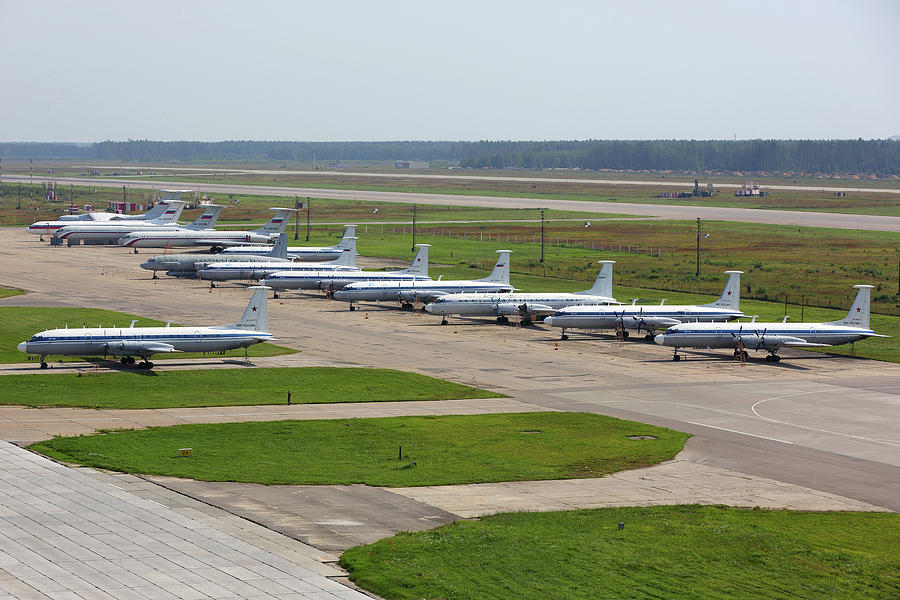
(878, 157)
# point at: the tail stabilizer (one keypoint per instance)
(500, 274)
(603, 284)
(346, 259)
(349, 232)
(277, 224)
(858, 315)
(731, 295)
(279, 250)
(208, 218)
(419, 265)
(255, 315)
(156, 212)
(171, 212)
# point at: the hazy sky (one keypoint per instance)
(454, 70)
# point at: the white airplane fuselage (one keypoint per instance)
(312, 280)
(510, 303)
(189, 264)
(258, 270)
(643, 316)
(127, 341)
(298, 253)
(183, 238)
(381, 291)
(755, 336)
(109, 232)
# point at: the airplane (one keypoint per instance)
(110, 232)
(408, 292)
(329, 281)
(246, 269)
(650, 317)
(310, 253)
(526, 305)
(154, 214)
(187, 265)
(216, 240)
(131, 341)
(774, 336)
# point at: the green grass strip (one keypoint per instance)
(228, 387)
(683, 552)
(6, 292)
(440, 450)
(19, 323)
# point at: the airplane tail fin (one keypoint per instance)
(858, 315)
(172, 211)
(348, 238)
(419, 265)
(277, 224)
(500, 274)
(279, 250)
(348, 255)
(255, 315)
(208, 218)
(731, 295)
(157, 211)
(603, 283)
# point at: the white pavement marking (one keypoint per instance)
(66, 534)
(740, 432)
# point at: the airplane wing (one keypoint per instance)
(774, 342)
(129, 347)
(513, 308)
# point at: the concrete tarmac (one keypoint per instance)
(817, 427)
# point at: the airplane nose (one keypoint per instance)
(21, 347)
(548, 320)
(429, 308)
(660, 339)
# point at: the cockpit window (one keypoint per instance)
(35, 338)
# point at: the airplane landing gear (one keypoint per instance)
(648, 338)
(773, 358)
(43, 364)
(444, 321)
(502, 319)
(126, 361)
(155, 276)
(352, 307)
(526, 322)
(675, 356)
(564, 337)
(743, 355)
(406, 306)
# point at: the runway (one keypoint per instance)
(665, 211)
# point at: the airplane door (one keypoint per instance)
(198, 338)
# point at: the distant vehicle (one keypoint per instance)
(216, 240)
(158, 212)
(110, 232)
(527, 305)
(310, 253)
(651, 317)
(329, 281)
(408, 292)
(773, 336)
(144, 342)
(256, 270)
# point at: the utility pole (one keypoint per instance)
(297, 207)
(31, 179)
(308, 210)
(698, 246)
(542, 235)
(413, 249)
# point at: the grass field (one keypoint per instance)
(7, 293)
(438, 450)
(19, 323)
(229, 387)
(677, 552)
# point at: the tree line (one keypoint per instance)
(879, 157)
